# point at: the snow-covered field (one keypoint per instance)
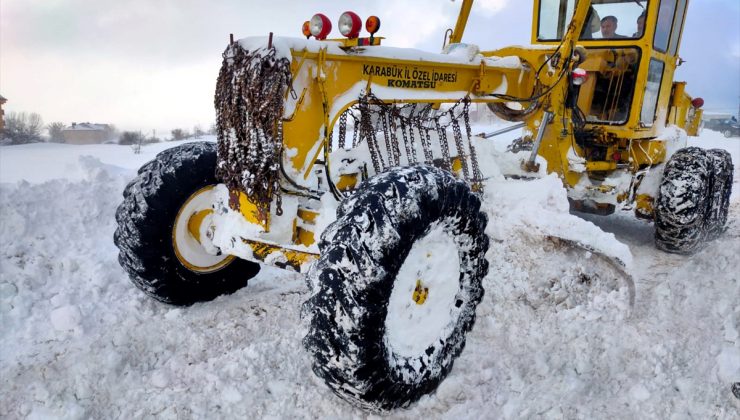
(80, 341)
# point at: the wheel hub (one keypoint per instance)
(196, 222)
(420, 293)
(412, 325)
(190, 234)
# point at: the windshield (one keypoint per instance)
(607, 19)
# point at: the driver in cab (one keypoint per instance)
(609, 28)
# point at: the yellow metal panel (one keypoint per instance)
(301, 234)
(694, 123)
(280, 256)
(347, 182)
(644, 206)
(308, 216)
(304, 237)
(249, 210)
(600, 166)
(647, 152)
(195, 221)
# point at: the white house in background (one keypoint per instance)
(86, 133)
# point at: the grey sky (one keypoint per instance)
(152, 64)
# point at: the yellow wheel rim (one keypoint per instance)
(187, 239)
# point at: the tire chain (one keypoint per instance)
(457, 134)
(444, 145)
(477, 180)
(426, 143)
(410, 152)
(342, 129)
(392, 157)
(391, 117)
(249, 103)
(367, 132)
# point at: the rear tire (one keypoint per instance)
(373, 340)
(720, 190)
(683, 202)
(146, 240)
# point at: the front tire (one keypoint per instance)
(156, 250)
(407, 238)
(683, 202)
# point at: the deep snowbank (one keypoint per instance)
(79, 341)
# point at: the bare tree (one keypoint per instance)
(197, 131)
(131, 138)
(22, 128)
(35, 125)
(153, 138)
(55, 132)
(179, 134)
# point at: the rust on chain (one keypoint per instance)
(376, 122)
(249, 98)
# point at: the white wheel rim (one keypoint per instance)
(199, 256)
(411, 328)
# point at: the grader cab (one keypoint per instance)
(355, 163)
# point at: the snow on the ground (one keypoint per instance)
(80, 341)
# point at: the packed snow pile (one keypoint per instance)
(80, 341)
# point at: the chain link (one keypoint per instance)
(342, 129)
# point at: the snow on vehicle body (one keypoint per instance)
(324, 87)
(355, 163)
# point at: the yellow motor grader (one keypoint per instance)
(355, 163)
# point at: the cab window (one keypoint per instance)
(652, 90)
(677, 26)
(664, 25)
(615, 19)
(606, 19)
(607, 95)
(555, 16)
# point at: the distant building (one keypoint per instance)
(2, 113)
(86, 133)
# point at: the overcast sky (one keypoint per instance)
(152, 64)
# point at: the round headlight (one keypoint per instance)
(350, 24)
(320, 26)
(306, 29)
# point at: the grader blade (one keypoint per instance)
(603, 271)
(568, 275)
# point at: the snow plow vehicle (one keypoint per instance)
(355, 163)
